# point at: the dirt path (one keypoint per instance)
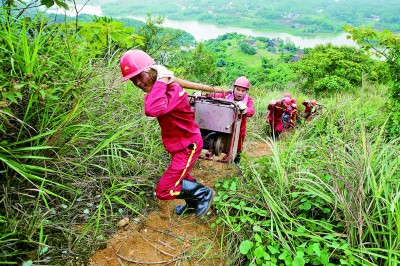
(163, 238)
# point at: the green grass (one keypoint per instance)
(75, 150)
(327, 194)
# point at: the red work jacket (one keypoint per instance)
(275, 112)
(170, 104)
(308, 106)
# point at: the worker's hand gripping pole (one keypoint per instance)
(198, 86)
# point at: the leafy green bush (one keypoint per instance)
(332, 85)
(247, 48)
(328, 68)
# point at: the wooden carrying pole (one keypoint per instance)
(198, 86)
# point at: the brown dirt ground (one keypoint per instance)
(162, 238)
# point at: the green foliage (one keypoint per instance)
(105, 38)
(60, 127)
(198, 65)
(247, 48)
(159, 42)
(47, 3)
(50, 3)
(332, 84)
(244, 216)
(384, 45)
(306, 17)
(301, 204)
(265, 69)
(307, 253)
(328, 68)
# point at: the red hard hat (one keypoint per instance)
(133, 62)
(242, 82)
(287, 100)
(313, 102)
(287, 94)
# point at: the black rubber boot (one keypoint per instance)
(199, 193)
(189, 207)
(236, 161)
(274, 135)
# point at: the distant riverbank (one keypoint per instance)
(203, 32)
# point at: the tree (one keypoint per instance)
(198, 65)
(328, 68)
(8, 5)
(157, 41)
(384, 44)
(247, 48)
(104, 37)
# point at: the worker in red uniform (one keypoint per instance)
(293, 100)
(169, 103)
(311, 107)
(293, 109)
(290, 113)
(276, 109)
(245, 103)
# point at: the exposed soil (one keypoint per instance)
(163, 238)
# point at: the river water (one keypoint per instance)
(203, 31)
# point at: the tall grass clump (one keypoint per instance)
(74, 149)
(328, 194)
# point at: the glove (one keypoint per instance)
(242, 107)
(163, 72)
(197, 94)
(294, 105)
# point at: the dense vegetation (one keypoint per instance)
(297, 17)
(76, 154)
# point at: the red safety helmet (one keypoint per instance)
(133, 62)
(242, 82)
(313, 102)
(287, 94)
(287, 100)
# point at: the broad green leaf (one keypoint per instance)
(298, 262)
(257, 238)
(316, 249)
(245, 246)
(259, 252)
(283, 255)
(272, 249)
(27, 263)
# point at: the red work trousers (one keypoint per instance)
(276, 126)
(241, 142)
(182, 162)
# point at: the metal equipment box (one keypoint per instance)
(219, 121)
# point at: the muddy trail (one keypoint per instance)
(163, 238)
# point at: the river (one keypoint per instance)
(203, 31)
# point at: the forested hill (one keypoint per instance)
(300, 17)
